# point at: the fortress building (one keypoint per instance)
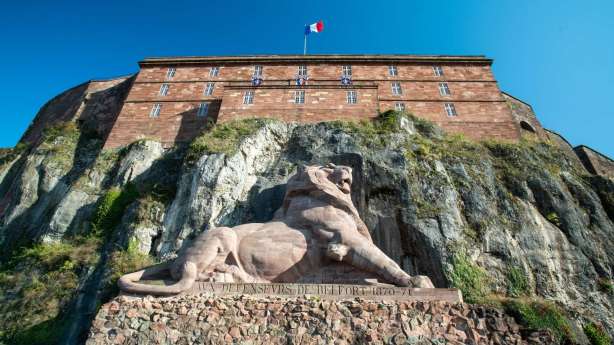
(172, 99)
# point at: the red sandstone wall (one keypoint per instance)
(482, 111)
(95, 104)
(523, 112)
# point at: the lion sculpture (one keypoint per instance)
(317, 225)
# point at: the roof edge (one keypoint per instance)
(179, 60)
(592, 149)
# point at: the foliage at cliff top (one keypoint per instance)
(223, 138)
(37, 285)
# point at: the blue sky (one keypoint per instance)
(556, 55)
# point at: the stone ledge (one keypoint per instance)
(208, 319)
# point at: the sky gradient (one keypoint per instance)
(556, 55)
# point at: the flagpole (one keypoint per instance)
(305, 46)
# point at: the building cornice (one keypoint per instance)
(330, 58)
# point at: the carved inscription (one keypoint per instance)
(334, 291)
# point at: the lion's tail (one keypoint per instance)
(128, 283)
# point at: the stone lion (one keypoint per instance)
(317, 225)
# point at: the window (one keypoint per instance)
(163, 89)
(351, 97)
(170, 73)
(399, 106)
(444, 90)
(302, 70)
(209, 89)
(248, 97)
(450, 109)
(214, 71)
(257, 71)
(392, 71)
(396, 88)
(299, 97)
(203, 109)
(346, 71)
(438, 71)
(155, 110)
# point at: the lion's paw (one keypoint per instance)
(422, 282)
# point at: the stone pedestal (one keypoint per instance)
(263, 314)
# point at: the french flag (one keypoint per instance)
(315, 27)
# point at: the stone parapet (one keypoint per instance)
(209, 319)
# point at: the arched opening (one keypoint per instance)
(527, 131)
(527, 127)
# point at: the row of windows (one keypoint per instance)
(444, 89)
(346, 71)
(299, 98)
(203, 109)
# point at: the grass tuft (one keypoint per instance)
(539, 314)
(518, 285)
(471, 279)
(597, 335)
(111, 208)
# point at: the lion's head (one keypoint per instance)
(340, 176)
(330, 183)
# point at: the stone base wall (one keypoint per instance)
(208, 319)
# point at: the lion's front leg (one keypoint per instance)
(368, 257)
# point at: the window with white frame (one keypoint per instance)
(396, 88)
(299, 97)
(170, 73)
(450, 109)
(444, 90)
(214, 71)
(248, 97)
(399, 106)
(346, 70)
(392, 71)
(164, 89)
(155, 110)
(203, 109)
(302, 70)
(438, 71)
(209, 89)
(351, 97)
(258, 71)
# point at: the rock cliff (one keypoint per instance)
(519, 227)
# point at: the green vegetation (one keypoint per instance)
(60, 144)
(518, 284)
(37, 285)
(538, 314)
(111, 208)
(605, 285)
(553, 218)
(471, 279)
(8, 155)
(597, 335)
(126, 261)
(223, 138)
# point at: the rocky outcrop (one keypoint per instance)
(522, 215)
(208, 319)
